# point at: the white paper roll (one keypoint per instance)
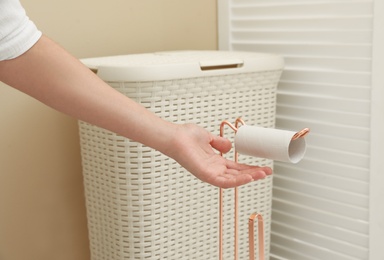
(269, 143)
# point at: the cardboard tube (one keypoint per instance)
(269, 143)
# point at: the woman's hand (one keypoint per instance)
(193, 149)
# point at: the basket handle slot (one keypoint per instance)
(220, 65)
(94, 70)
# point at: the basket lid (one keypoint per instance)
(181, 64)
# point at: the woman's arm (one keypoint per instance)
(50, 74)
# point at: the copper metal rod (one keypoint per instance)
(251, 239)
(221, 198)
(236, 238)
(221, 224)
(301, 133)
(236, 241)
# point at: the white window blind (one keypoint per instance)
(327, 206)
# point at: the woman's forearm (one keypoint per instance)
(51, 75)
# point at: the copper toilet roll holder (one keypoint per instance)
(253, 216)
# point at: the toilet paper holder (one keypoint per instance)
(239, 122)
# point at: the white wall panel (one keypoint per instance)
(327, 206)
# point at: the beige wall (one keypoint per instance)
(42, 211)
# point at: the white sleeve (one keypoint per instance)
(17, 32)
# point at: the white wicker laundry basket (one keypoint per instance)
(143, 205)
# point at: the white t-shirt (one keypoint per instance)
(17, 32)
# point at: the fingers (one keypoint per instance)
(240, 174)
(226, 181)
(247, 168)
(232, 181)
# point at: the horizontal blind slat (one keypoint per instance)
(303, 10)
(295, 2)
(321, 204)
(307, 252)
(321, 228)
(324, 89)
(352, 119)
(312, 189)
(290, 252)
(301, 49)
(325, 22)
(322, 242)
(320, 166)
(326, 103)
(349, 78)
(309, 36)
(330, 63)
(329, 218)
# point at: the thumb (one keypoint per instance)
(221, 144)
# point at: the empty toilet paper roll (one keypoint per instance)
(274, 144)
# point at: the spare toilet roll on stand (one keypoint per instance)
(287, 154)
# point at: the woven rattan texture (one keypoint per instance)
(143, 205)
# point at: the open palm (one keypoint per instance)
(194, 150)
